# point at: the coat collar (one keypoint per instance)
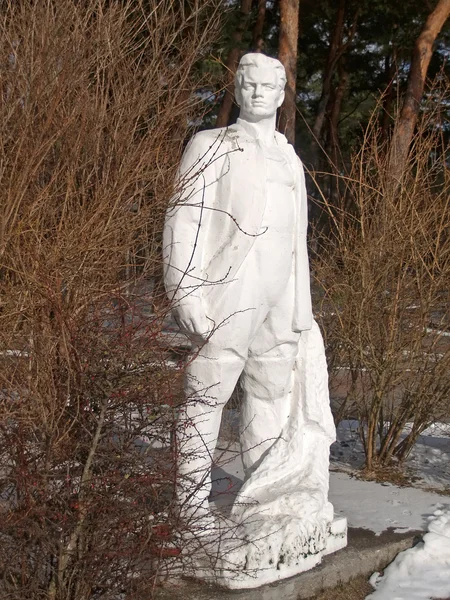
(251, 132)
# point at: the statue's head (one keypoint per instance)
(259, 86)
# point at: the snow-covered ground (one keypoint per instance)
(379, 506)
(422, 572)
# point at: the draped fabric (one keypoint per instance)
(293, 478)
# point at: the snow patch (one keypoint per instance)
(422, 572)
(379, 507)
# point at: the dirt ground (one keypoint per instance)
(357, 589)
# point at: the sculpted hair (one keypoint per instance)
(255, 59)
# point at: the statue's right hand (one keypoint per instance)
(192, 320)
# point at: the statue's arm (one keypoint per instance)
(184, 232)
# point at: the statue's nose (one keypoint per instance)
(258, 90)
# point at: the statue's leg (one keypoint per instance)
(266, 382)
(210, 380)
(211, 376)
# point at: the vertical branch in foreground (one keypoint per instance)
(67, 552)
(287, 53)
(390, 67)
(405, 125)
(223, 115)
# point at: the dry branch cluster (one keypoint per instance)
(384, 278)
(95, 101)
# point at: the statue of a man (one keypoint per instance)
(237, 272)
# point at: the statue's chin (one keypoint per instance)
(256, 114)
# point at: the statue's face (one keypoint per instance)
(259, 94)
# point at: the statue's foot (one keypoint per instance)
(261, 551)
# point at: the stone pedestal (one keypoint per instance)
(231, 559)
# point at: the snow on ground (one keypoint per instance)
(430, 458)
(429, 461)
(380, 506)
(422, 572)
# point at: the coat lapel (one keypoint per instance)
(236, 216)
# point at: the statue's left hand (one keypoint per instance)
(192, 319)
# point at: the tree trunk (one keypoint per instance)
(405, 125)
(289, 13)
(333, 57)
(341, 39)
(258, 39)
(224, 113)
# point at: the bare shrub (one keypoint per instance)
(95, 101)
(383, 274)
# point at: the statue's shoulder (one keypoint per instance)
(204, 149)
(205, 144)
(210, 144)
(209, 137)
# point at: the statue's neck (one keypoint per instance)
(263, 129)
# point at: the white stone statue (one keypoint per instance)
(236, 269)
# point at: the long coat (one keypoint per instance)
(216, 216)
